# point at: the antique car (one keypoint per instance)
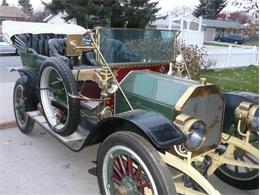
(159, 134)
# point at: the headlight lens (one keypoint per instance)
(194, 129)
(195, 136)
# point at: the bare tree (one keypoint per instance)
(249, 6)
(236, 16)
(181, 11)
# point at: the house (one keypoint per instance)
(212, 28)
(177, 23)
(164, 25)
(189, 26)
(11, 13)
(59, 19)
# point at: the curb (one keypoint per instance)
(8, 124)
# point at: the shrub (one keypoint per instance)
(195, 58)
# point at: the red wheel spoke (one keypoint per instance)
(116, 179)
(129, 166)
(137, 173)
(121, 163)
(117, 170)
(143, 185)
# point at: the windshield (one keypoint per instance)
(136, 45)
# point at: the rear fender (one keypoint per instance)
(29, 83)
(28, 77)
(157, 129)
(232, 101)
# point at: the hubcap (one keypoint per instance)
(121, 191)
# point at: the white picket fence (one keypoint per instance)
(192, 37)
(233, 56)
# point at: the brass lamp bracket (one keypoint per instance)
(245, 113)
(75, 46)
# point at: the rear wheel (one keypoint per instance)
(61, 111)
(129, 164)
(21, 104)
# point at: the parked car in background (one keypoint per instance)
(231, 38)
(5, 48)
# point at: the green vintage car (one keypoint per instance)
(160, 134)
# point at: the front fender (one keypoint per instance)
(232, 101)
(159, 130)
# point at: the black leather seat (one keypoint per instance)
(38, 42)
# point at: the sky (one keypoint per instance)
(166, 5)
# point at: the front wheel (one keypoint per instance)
(129, 164)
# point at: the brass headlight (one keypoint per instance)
(248, 113)
(194, 129)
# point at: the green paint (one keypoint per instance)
(32, 61)
(152, 91)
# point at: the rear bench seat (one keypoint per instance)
(38, 42)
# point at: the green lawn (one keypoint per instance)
(252, 43)
(238, 79)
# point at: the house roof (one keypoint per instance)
(48, 18)
(165, 23)
(222, 24)
(11, 12)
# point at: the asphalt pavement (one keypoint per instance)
(7, 81)
(38, 164)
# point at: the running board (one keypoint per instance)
(74, 141)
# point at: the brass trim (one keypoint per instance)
(97, 39)
(203, 81)
(194, 91)
(185, 122)
(87, 75)
(138, 64)
(72, 41)
(106, 112)
(246, 112)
